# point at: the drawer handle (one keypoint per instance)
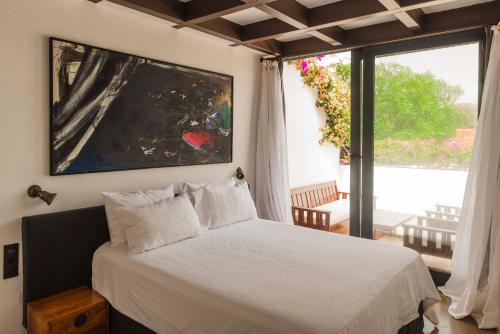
(80, 320)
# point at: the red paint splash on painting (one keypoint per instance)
(197, 139)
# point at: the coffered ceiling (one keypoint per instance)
(291, 28)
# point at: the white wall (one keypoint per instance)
(308, 161)
(25, 26)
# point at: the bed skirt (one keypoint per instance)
(121, 324)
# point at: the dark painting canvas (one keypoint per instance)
(114, 111)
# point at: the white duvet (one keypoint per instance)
(266, 277)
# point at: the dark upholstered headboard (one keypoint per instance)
(58, 249)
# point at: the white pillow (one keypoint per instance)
(229, 204)
(202, 206)
(117, 200)
(158, 224)
(188, 187)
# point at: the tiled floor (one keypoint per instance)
(448, 325)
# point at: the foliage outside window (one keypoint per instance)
(418, 121)
(331, 83)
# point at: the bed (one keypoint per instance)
(250, 277)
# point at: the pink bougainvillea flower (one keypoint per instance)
(304, 64)
(332, 96)
(451, 143)
(426, 142)
(409, 147)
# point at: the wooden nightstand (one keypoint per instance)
(77, 311)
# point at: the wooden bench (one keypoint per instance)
(305, 199)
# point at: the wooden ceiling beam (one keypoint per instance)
(221, 28)
(418, 16)
(271, 47)
(269, 28)
(412, 21)
(230, 31)
(198, 11)
(321, 22)
(296, 16)
(461, 19)
(343, 12)
(170, 10)
(288, 11)
(173, 11)
(335, 14)
(331, 35)
(465, 18)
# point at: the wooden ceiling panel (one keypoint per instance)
(272, 46)
(323, 23)
(222, 28)
(305, 46)
(170, 10)
(461, 19)
(380, 32)
(411, 19)
(332, 35)
(467, 18)
(288, 11)
(197, 11)
(263, 30)
(343, 12)
(336, 14)
(417, 15)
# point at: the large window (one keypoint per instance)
(419, 112)
(424, 126)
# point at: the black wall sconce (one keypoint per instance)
(239, 173)
(35, 191)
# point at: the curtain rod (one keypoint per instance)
(271, 58)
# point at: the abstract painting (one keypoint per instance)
(114, 111)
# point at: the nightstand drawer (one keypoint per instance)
(77, 311)
(98, 330)
(82, 321)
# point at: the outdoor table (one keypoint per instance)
(388, 221)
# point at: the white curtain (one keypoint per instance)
(272, 191)
(474, 286)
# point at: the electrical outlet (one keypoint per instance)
(10, 260)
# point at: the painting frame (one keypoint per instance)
(52, 169)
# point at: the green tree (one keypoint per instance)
(412, 105)
(469, 114)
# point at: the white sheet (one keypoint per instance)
(266, 277)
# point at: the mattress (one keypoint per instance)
(266, 277)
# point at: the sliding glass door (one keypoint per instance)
(418, 105)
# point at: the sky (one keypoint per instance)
(456, 65)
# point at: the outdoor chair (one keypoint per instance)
(435, 233)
